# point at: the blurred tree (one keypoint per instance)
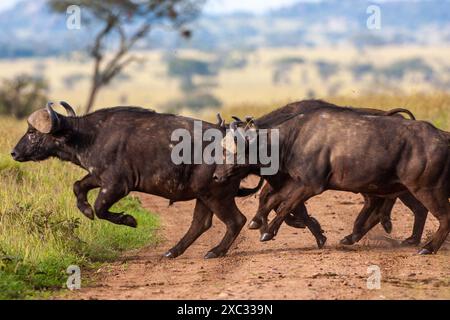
(131, 21)
(195, 102)
(398, 69)
(186, 69)
(326, 69)
(22, 95)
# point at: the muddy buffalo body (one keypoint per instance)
(128, 149)
(341, 149)
(375, 209)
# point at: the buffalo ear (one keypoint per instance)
(45, 120)
(41, 121)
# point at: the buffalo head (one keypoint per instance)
(47, 130)
(239, 142)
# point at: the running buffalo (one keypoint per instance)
(128, 149)
(375, 209)
(341, 149)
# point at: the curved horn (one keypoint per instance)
(248, 119)
(219, 119)
(70, 111)
(233, 126)
(234, 129)
(237, 119)
(53, 117)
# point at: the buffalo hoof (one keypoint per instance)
(425, 251)
(89, 213)
(321, 241)
(212, 255)
(387, 226)
(170, 255)
(266, 237)
(410, 242)
(129, 221)
(347, 241)
(254, 225)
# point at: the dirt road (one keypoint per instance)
(290, 267)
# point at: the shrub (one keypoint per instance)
(22, 95)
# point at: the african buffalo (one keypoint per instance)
(128, 149)
(341, 149)
(377, 209)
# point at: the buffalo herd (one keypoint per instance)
(383, 155)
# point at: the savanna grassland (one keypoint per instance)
(41, 231)
(169, 80)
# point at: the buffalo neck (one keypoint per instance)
(82, 133)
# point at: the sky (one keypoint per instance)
(216, 6)
(255, 6)
(6, 3)
(222, 6)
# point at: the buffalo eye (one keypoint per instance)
(31, 135)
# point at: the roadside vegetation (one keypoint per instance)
(41, 230)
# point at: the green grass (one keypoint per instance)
(41, 230)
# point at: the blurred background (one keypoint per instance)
(220, 54)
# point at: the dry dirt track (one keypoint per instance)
(291, 267)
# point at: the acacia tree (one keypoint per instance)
(128, 21)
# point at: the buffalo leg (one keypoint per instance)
(380, 212)
(420, 217)
(201, 222)
(81, 189)
(295, 221)
(269, 200)
(361, 225)
(106, 198)
(234, 221)
(436, 201)
(293, 195)
(312, 224)
(375, 212)
(385, 214)
(266, 203)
